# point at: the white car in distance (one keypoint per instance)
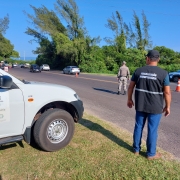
(44, 67)
(71, 70)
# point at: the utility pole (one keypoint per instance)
(24, 55)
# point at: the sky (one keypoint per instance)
(163, 15)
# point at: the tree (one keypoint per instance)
(91, 42)
(116, 24)
(45, 22)
(121, 43)
(70, 12)
(15, 54)
(142, 37)
(167, 55)
(146, 41)
(138, 32)
(130, 36)
(46, 47)
(46, 26)
(124, 34)
(64, 47)
(4, 22)
(77, 33)
(6, 48)
(37, 36)
(67, 45)
(80, 45)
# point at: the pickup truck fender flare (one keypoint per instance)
(51, 105)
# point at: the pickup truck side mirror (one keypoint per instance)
(5, 82)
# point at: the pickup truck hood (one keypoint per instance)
(46, 91)
(50, 85)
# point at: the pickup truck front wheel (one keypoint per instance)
(54, 129)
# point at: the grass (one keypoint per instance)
(99, 150)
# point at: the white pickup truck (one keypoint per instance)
(40, 111)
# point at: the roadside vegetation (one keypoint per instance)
(11, 61)
(98, 150)
(64, 40)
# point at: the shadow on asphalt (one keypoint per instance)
(105, 90)
(96, 127)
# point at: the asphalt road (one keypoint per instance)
(100, 99)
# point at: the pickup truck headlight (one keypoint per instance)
(77, 97)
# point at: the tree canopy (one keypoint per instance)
(6, 48)
(125, 35)
(69, 11)
(63, 40)
(4, 22)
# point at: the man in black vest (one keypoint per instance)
(151, 85)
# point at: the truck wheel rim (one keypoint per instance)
(57, 131)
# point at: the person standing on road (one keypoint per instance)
(151, 89)
(122, 76)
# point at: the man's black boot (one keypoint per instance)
(124, 93)
(118, 93)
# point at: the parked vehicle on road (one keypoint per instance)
(35, 68)
(45, 113)
(7, 64)
(71, 70)
(44, 67)
(3, 65)
(26, 65)
(174, 76)
(14, 65)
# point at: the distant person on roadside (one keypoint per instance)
(122, 76)
(151, 85)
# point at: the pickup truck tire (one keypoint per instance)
(54, 129)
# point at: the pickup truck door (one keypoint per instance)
(11, 111)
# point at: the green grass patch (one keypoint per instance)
(99, 150)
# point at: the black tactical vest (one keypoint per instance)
(149, 89)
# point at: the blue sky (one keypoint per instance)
(164, 16)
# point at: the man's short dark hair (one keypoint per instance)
(153, 55)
